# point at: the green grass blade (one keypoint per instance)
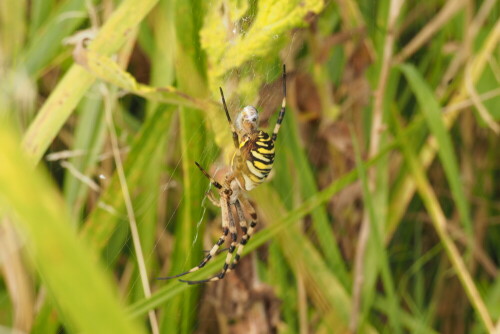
(103, 221)
(377, 242)
(439, 222)
(12, 28)
(39, 12)
(60, 257)
(428, 152)
(178, 316)
(322, 225)
(322, 285)
(278, 274)
(432, 112)
(45, 44)
(77, 81)
(89, 140)
(178, 313)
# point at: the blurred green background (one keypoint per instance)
(382, 211)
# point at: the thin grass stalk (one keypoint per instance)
(377, 240)
(321, 223)
(128, 205)
(61, 259)
(428, 152)
(439, 222)
(378, 177)
(76, 82)
(450, 9)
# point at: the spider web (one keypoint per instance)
(257, 68)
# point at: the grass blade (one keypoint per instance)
(377, 242)
(103, 221)
(439, 222)
(432, 112)
(77, 81)
(61, 258)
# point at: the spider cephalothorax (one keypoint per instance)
(250, 166)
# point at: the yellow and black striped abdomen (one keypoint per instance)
(256, 159)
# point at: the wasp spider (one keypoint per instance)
(250, 166)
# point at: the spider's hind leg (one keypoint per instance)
(243, 205)
(212, 253)
(244, 238)
(215, 249)
(227, 216)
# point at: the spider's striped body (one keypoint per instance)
(254, 159)
(251, 164)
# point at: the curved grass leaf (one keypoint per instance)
(82, 292)
(439, 222)
(77, 81)
(432, 112)
(103, 221)
(322, 226)
(108, 70)
(377, 242)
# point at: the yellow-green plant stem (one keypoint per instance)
(64, 261)
(439, 222)
(63, 100)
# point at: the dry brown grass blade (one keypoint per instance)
(16, 277)
(450, 9)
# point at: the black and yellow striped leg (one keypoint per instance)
(207, 258)
(227, 215)
(241, 218)
(247, 233)
(211, 253)
(233, 130)
(214, 183)
(212, 180)
(244, 238)
(283, 108)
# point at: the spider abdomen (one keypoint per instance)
(254, 160)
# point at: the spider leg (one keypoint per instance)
(213, 251)
(244, 205)
(283, 107)
(218, 251)
(233, 130)
(242, 219)
(210, 196)
(228, 216)
(215, 183)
